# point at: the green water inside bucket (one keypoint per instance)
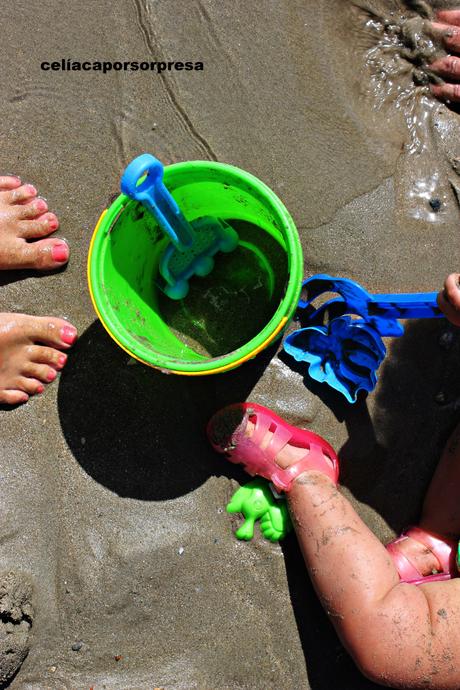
(228, 315)
(224, 310)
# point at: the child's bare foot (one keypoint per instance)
(25, 217)
(30, 354)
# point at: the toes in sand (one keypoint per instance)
(25, 226)
(31, 354)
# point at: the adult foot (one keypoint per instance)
(447, 28)
(24, 222)
(30, 354)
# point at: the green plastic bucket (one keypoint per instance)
(123, 270)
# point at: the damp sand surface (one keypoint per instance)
(232, 304)
(113, 504)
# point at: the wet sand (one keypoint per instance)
(112, 514)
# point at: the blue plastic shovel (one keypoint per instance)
(192, 245)
(346, 352)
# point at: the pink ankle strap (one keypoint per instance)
(443, 549)
(406, 570)
(314, 460)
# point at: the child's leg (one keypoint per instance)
(400, 635)
(441, 508)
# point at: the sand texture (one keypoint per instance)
(118, 565)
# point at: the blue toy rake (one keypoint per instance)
(192, 245)
(346, 351)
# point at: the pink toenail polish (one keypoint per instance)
(40, 389)
(68, 335)
(41, 205)
(52, 224)
(62, 360)
(60, 252)
(31, 189)
(51, 375)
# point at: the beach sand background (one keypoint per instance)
(112, 520)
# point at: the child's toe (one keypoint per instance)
(223, 425)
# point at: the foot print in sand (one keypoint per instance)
(16, 616)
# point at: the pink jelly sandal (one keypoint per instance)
(444, 549)
(226, 432)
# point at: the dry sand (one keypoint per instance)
(124, 573)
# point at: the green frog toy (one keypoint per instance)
(256, 502)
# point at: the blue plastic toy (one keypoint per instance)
(346, 351)
(191, 245)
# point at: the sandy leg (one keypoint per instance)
(399, 635)
(441, 508)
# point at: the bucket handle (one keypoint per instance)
(142, 181)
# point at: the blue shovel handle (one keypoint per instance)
(152, 193)
(417, 305)
(357, 300)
